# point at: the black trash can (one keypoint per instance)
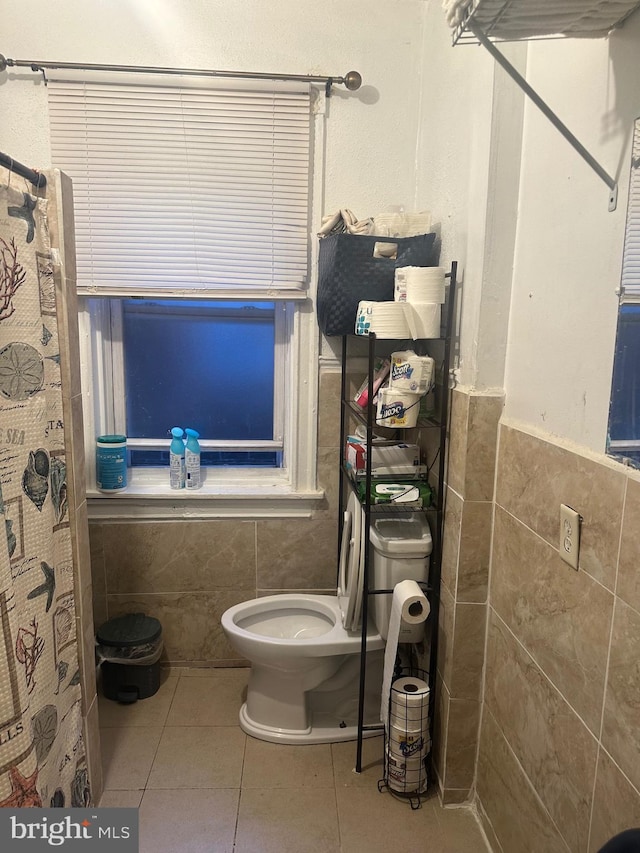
(129, 649)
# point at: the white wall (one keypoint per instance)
(528, 218)
(371, 134)
(569, 247)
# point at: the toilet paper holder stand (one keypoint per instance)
(407, 743)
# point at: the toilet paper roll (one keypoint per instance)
(409, 608)
(407, 744)
(406, 776)
(423, 319)
(409, 703)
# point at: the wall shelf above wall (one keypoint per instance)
(487, 21)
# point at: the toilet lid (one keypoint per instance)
(351, 565)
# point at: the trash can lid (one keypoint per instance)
(131, 629)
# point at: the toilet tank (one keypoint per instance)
(400, 549)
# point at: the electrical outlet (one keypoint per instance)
(569, 535)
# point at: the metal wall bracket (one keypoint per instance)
(548, 112)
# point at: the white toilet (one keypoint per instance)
(304, 649)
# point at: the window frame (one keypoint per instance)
(629, 292)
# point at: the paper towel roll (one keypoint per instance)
(419, 284)
(411, 372)
(409, 611)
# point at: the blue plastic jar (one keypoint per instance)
(111, 463)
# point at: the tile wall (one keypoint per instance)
(464, 588)
(187, 573)
(559, 757)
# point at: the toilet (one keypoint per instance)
(304, 649)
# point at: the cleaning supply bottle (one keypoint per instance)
(177, 473)
(192, 459)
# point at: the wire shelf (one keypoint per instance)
(517, 20)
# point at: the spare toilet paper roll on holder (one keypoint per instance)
(409, 610)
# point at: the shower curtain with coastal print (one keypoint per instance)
(42, 756)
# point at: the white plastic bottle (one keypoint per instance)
(192, 459)
(177, 473)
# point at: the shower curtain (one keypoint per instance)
(42, 754)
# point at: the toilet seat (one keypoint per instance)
(352, 554)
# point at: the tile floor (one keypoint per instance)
(203, 786)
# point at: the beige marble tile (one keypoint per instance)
(181, 556)
(454, 797)
(207, 821)
(329, 408)
(127, 756)
(191, 628)
(451, 541)
(621, 727)
(445, 635)
(457, 444)
(93, 750)
(561, 616)
(553, 746)
(328, 479)
(96, 552)
(461, 831)
(489, 834)
(519, 820)
(121, 799)
(75, 457)
(535, 477)
(475, 549)
(213, 701)
(81, 546)
(344, 762)
(377, 822)
(287, 820)
(440, 727)
(198, 757)
(616, 804)
(280, 765)
(462, 743)
(152, 711)
(482, 435)
(86, 646)
(468, 651)
(628, 575)
(297, 553)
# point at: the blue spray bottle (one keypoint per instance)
(192, 459)
(177, 473)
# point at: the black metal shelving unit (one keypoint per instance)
(441, 350)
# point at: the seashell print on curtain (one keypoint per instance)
(42, 755)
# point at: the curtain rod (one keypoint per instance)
(36, 178)
(352, 79)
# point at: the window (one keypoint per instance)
(624, 413)
(192, 208)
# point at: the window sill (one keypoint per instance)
(147, 501)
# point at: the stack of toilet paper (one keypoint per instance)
(422, 291)
(408, 735)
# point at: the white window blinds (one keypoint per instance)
(630, 286)
(187, 189)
